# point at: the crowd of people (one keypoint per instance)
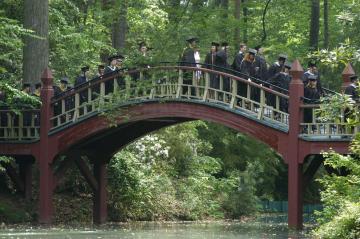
(248, 63)
(251, 63)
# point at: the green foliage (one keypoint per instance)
(11, 33)
(76, 38)
(4, 160)
(332, 108)
(17, 100)
(340, 217)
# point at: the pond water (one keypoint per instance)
(161, 230)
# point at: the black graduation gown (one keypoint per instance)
(222, 65)
(237, 61)
(109, 85)
(281, 82)
(274, 68)
(210, 61)
(262, 70)
(312, 96)
(305, 79)
(248, 68)
(353, 92)
(188, 59)
(84, 94)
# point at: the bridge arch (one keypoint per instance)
(146, 117)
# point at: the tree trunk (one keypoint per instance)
(237, 27)
(225, 6)
(36, 50)
(314, 24)
(245, 14)
(119, 28)
(326, 24)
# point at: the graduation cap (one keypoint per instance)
(257, 47)
(311, 64)
(141, 44)
(353, 78)
(287, 65)
(25, 85)
(101, 67)
(64, 80)
(37, 85)
(252, 51)
(215, 43)
(312, 77)
(115, 57)
(192, 39)
(224, 43)
(282, 56)
(85, 68)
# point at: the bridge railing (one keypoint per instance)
(314, 125)
(19, 126)
(171, 83)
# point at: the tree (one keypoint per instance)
(120, 26)
(36, 49)
(237, 17)
(314, 24)
(326, 24)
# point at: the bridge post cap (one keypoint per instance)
(46, 77)
(296, 66)
(348, 71)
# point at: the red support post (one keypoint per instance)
(46, 154)
(100, 195)
(347, 72)
(295, 177)
(25, 171)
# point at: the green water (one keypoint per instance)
(157, 230)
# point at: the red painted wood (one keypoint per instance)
(293, 149)
(292, 156)
(100, 195)
(71, 136)
(347, 72)
(46, 151)
(25, 171)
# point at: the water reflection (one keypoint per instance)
(164, 230)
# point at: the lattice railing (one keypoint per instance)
(314, 126)
(220, 88)
(24, 125)
(171, 83)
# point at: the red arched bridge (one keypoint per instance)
(72, 127)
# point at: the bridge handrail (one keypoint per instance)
(121, 72)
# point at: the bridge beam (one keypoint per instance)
(292, 156)
(100, 194)
(47, 150)
(25, 173)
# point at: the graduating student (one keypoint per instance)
(188, 59)
(248, 67)
(312, 70)
(353, 88)
(210, 61)
(101, 71)
(312, 96)
(83, 77)
(261, 63)
(239, 57)
(115, 64)
(277, 66)
(222, 63)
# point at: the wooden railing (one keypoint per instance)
(171, 83)
(235, 92)
(24, 125)
(314, 126)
